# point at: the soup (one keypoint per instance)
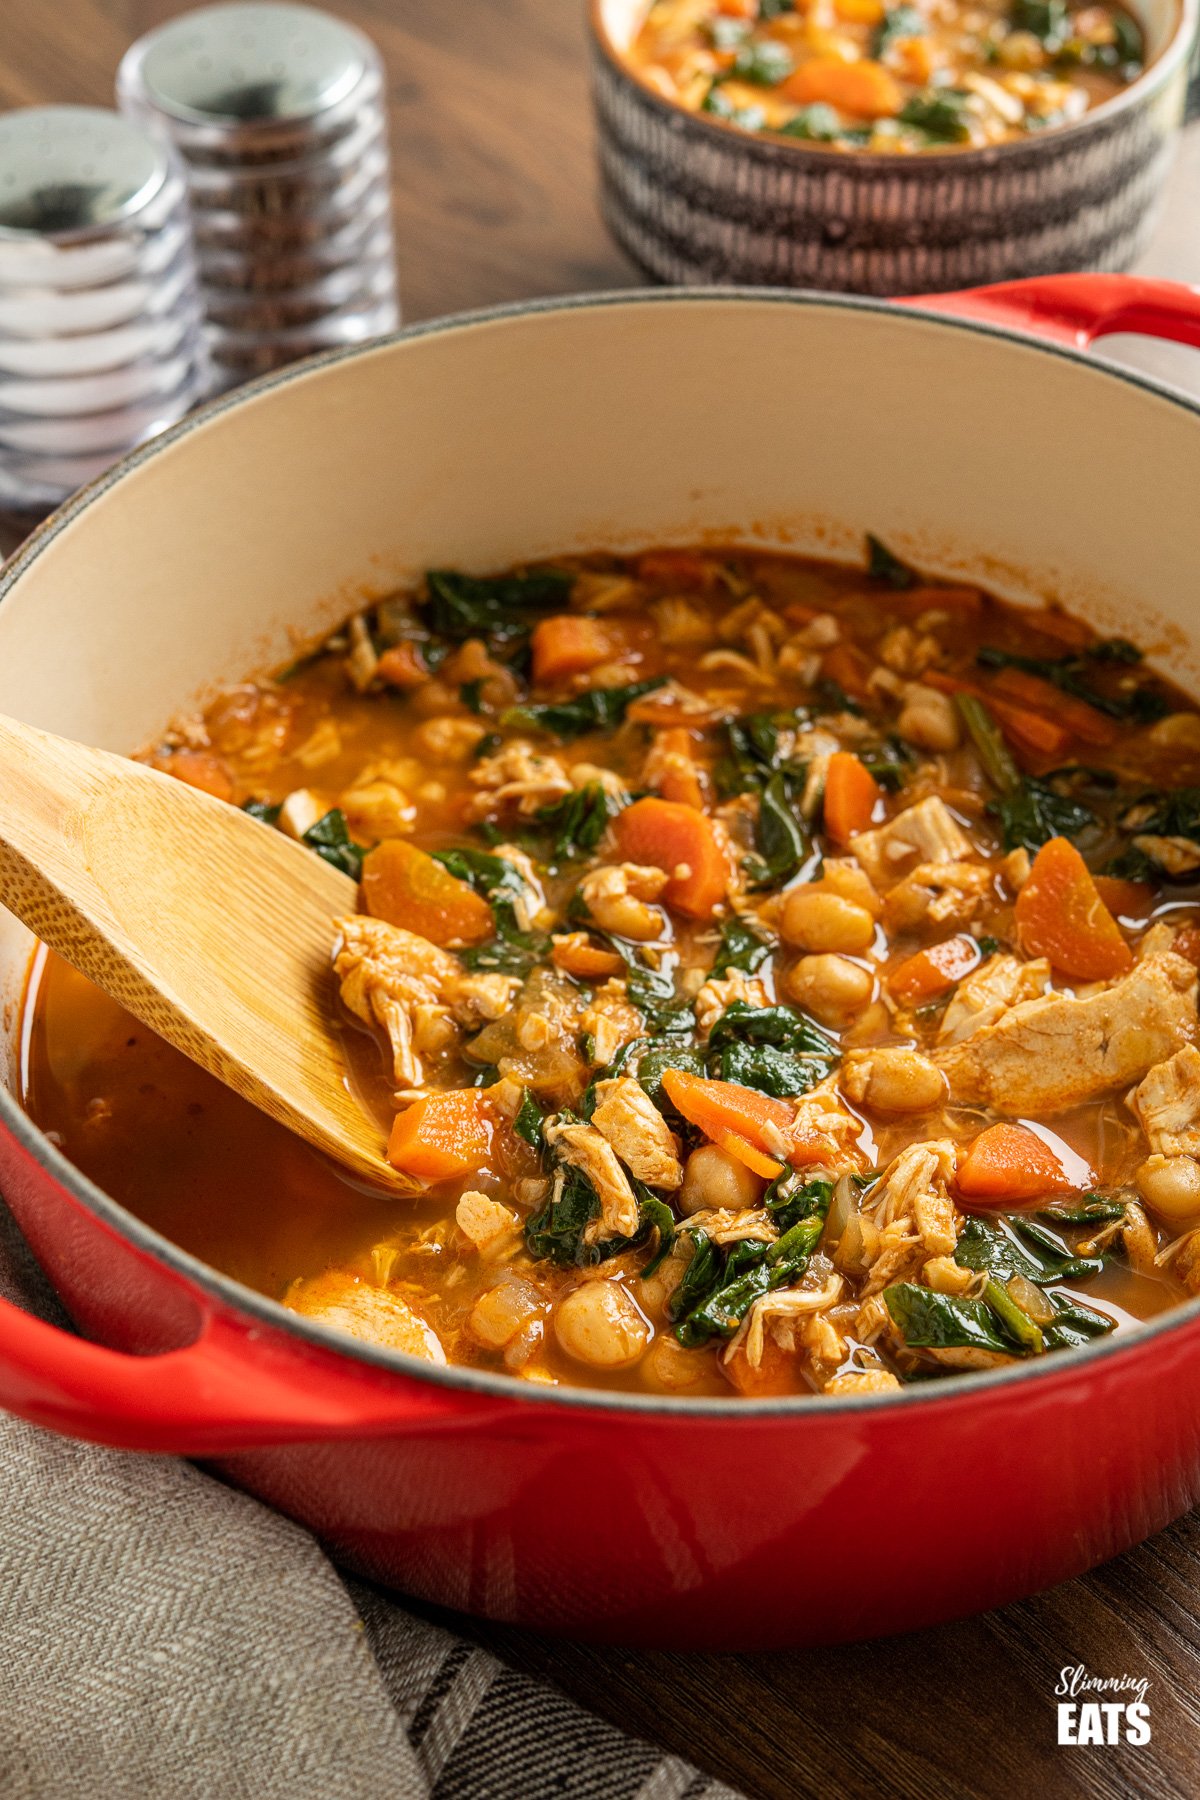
(772, 978)
(859, 74)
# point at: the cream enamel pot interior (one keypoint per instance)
(791, 420)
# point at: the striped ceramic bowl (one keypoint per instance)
(692, 199)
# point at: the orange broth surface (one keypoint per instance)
(808, 1179)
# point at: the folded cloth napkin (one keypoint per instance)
(162, 1635)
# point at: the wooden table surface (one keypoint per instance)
(495, 201)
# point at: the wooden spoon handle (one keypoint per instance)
(211, 929)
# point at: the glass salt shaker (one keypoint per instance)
(101, 342)
(278, 114)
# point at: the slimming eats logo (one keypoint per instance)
(1102, 1709)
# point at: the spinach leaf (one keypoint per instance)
(471, 695)
(332, 843)
(929, 1321)
(1035, 811)
(700, 1278)
(463, 606)
(763, 62)
(774, 9)
(1046, 20)
(652, 991)
(528, 1122)
(1017, 1246)
(719, 106)
(780, 838)
(1070, 675)
(262, 810)
(1173, 814)
(756, 751)
(791, 1201)
(1092, 1210)
(942, 114)
(740, 948)
(770, 1071)
(816, 124)
(596, 709)
(1076, 1324)
(1015, 1320)
(898, 22)
(722, 1292)
(555, 1233)
(656, 1215)
(997, 759)
(781, 1026)
(889, 761)
(883, 565)
(512, 951)
(657, 1058)
(579, 820)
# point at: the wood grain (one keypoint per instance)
(213, 931)
(494, 201)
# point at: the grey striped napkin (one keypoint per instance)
(162, 1635)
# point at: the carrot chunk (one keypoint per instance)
(757, 1161)
(586, 961)
(199, 769)
(846, 665)
(678, 777)
(1082, 721)
(442, 1135)
(724, 1110)
(851, 793)
(1125, 899)
(402, 667)
(862, 88)
(1060, 914)
(1028, 731)
(570, 644)
(405, 887)
(1010, 1162)
(662, 834)
(676, 568)
(931, 972)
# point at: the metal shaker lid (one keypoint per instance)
(252, 63)
(70, 171)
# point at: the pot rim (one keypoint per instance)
(772, 147)
(1059, 1369)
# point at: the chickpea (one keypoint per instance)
(672, 1369)
(816, 920)
(1170, 1186)
(503, 1311)
(599, 1324)
(711, 1177)
(844, 876)
(618, 901)
(928, 719)
(893, 1080)
(1178, 731)
(450, 740)
(832, 988)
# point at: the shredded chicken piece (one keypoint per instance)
(912, 1211)
(1167, 1104)
(924, 833)
(529, 905)
(1158, 938)
(488, 1223)
(611, 1020)
(726, 1225)
(862, 1381)
(517, 776)
(388, 977)
(715, 996)
(1057, 1051)
(361, 660)
(966, 1356)
(938, 893)
(1178, 856)
(1138, 1240)
(628, 1118)
(786, 1305)
(300, 812)
(341, 1299)
(1185, 1261)
(820, 1114)
(945, 1276)
(618, 898)
(583, 774)
(985, 995)
(678, 623)
(478, 999)
(587, 1150)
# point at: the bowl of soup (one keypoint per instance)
(881, 148)
(773, 975)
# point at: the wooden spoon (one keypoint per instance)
(213, 930)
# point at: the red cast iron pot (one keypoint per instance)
(793, 420)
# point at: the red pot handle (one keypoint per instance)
(1077, 309)
(237, 1386)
